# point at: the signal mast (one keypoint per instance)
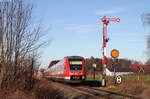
(105, 40)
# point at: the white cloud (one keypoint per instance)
(110, 11)
(84, 28)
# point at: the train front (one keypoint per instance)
(75, 68)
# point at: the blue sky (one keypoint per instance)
(76, 29)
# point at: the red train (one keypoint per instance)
(71, 68)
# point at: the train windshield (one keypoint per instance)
(76, 66)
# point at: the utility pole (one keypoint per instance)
(105, 40)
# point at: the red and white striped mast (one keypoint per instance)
(105, 40)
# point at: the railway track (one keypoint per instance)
(99, 92)
(86, 92)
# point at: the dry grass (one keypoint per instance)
(45, 90)
(136, 88)
(41, 90)
(133, 87)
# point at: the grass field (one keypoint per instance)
(97, 77)
(137, 78)
(131, 84)
(132, 78)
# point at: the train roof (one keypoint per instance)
(75, 57)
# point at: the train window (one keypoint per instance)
(76, 68)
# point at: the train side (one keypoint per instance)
(71, 69)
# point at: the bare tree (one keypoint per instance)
(146, 22)
(19, 42)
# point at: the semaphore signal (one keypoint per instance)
(105, 40)
(111, 19)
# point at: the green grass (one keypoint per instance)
(97, 77)
(134, 78)
(142, 78)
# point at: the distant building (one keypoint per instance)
(118, 71)
(141, 69)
